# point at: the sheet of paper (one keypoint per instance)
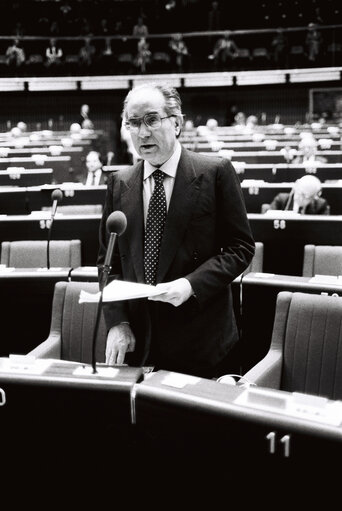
(120, 290)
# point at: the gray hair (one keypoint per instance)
(173, 102)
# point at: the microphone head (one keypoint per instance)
(57, 195)
(116, 222)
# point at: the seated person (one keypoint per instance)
(95, 175)
(304, 198)
(308, 149)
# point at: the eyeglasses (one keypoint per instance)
(152, 121)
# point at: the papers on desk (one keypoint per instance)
(327, 279)
(120, 290)
(280, 213)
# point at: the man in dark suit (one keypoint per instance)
(206, 243)
(95, 175)
(304, 198)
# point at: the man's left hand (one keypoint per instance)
(175, 292)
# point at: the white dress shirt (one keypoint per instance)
(170, 170)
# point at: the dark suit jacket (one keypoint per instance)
(318, 206)
(103, 178)
(207, 239)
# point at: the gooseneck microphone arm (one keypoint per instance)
(56, 196)
(116, 225)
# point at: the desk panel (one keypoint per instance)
(281, 172)
(258, 303)
(25, 177)
(258, 193)
(25, 307)
(65, 227)
(59, 425)
(192, 425)
(284, 238)
(61, 166)
(13, 201)
(39, 197)
(270, 156)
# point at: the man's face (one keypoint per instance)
(93, 162)
(155, 146)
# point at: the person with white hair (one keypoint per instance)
(304, 198)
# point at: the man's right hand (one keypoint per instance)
(120, 340)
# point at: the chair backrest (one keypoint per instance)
(256, 265)
(322, 260)
(33, 253)
(309, 328)
(75, 322)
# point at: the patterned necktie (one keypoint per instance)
(156, 216)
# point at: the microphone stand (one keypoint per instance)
(48, 244)
(103, 282)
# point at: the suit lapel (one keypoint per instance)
(184, 196)
(132, 206)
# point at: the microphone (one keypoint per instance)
(116, 225)
(56, 196)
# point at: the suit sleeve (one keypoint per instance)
(234, 243)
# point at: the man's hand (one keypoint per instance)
(120, 340)
(175, 292)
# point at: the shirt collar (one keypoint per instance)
(169, 167)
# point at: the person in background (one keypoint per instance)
(95, 176)
(304, 198)
(187, 235)
(15, 54)
(84, 118)
(87, 53)
(224, 52)
(143, 57)
(179, 52)
(53, 54)
(307, 148)
(140, 29)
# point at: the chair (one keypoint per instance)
(33, 253)
(305, 354)
(322, 260)
(256, 265)
(72, 326)
(78, 209)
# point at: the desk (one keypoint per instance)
(65, 227)
(257, 193)
(13, 200)
(62, 425)
(24, 177)
(25, 307)
(61, 166)
(259, 295)
(284, 238)
(194, 425)
(73, 194)
(283, 172)
(270, 156)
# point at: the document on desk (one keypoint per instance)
(120, 290)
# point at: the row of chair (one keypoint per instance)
(318, 260)
(303, 356)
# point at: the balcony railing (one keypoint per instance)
(267, 49)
